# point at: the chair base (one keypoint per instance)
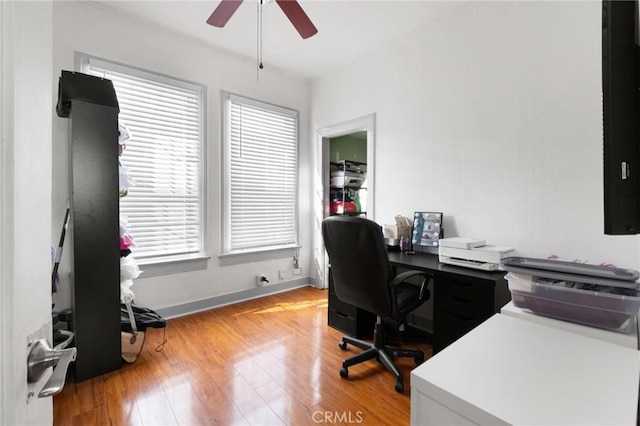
(382, 353)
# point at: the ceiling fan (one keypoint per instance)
(291, 9)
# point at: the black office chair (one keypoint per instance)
(363, 277)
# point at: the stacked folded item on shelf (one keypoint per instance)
(351, 175)
(598, 296)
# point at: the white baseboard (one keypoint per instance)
(228, 299)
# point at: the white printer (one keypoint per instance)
(472, 253)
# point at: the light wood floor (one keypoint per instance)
(269, 361)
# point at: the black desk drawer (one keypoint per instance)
(480, 306)
(456, 322)
(346, 324)
(467, 290)
(349, 319)
(449, 327)
(342, 307)
(361, 326)
(459, 306)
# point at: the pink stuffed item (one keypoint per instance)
(126, 242)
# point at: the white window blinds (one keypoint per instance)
(261, 156)
(165, 118)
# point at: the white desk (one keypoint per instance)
(513, 371)
(629, 340)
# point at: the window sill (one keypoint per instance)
(172, 265)
(257, 255)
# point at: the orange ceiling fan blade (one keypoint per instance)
(298, 17)
(223, 12)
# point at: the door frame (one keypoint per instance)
(367, 124)
(6, 217)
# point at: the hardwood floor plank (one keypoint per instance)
(254, 409)
(155, 408)
(121, 403)
(252, 372)
(221, 409)
(65, 405)
(288, 408)
(186, 404)
(90, 394)
(95, 416)
(267, 361)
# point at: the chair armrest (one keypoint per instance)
(404, 276)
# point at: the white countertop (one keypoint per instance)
(513, 371)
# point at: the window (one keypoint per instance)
(164, 205)
(260, 155)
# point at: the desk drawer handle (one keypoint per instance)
(463, 318)
(462, 284)
(464, 301)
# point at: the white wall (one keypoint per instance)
(86, 28)
(492, 114)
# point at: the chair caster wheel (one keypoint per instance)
(343, 345)
(399, 386)
(419, 360)
(344, 373)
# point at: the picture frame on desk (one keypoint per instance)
(426, 232)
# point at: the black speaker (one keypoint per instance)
(84, 87)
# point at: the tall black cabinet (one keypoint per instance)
(92, 107)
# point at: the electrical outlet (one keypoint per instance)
(261, 280)
(297, 271)
(282, 273)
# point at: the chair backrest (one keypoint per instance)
(360, 266)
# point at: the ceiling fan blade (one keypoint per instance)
(298, 17)
(223, 12)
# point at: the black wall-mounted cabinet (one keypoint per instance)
(621, 117)
(95, 295)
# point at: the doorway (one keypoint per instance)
(347, 175)
(351, 140)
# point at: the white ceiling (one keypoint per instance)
(346, 29)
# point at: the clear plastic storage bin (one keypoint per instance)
(602, 309)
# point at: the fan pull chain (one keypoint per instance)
(259, 41)
(261, 38)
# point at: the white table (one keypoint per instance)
(629, 340)
(513, 371)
